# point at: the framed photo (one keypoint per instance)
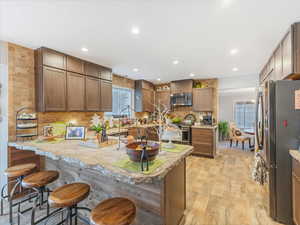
(75, 133)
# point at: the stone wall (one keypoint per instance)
(21, 91)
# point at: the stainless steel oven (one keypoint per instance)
(186, 134)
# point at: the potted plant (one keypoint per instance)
(223, 129)
(97, 126)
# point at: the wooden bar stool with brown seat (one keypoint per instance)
(67, 197)
(16, 175)
(113, 211)
(38, 182)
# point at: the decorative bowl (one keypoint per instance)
(135, 149)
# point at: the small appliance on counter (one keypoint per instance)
(207, 120)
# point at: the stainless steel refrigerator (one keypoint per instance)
(278, 131)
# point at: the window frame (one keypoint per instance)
(244, 102)
(132, 114)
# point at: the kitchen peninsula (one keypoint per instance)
(160, 196)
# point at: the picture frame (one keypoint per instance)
(75, 133)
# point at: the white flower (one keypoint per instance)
(95, 120)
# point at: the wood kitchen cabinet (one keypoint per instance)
(51, 89)
(75, 92)
(66, 83)
(106, 96)
(296, 191)
(204, 141)
(51, 58)
(144, 96)
(92, 94)
(163, 98)
(93, 70)
(182, 86)
(106, 74)
(75, 65)
(287, 57)
(278, 63)
(285, 60)
(203, 99)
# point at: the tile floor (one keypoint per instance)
(220, 191)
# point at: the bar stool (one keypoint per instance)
(113, 211)
(67, 197)
(16, 174)
(37, 182)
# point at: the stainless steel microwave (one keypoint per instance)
(181, 99)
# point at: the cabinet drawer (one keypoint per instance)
(202, 148)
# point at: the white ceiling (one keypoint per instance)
(199, 33)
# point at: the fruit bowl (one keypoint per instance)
(135, 149)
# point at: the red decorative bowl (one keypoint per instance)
(134, 151)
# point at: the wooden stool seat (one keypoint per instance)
(69, 195)
(20, 170)
(40, 179)
(113, 211)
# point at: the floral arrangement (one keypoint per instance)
(96, 123)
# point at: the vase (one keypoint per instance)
(99, 137)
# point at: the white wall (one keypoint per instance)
(233, 89)
(3, 110)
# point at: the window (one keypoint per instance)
(244, 115)
(122, 98)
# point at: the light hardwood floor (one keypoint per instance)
(220, 191)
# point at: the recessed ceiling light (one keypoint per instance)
(135, 30)
(135, 70)
(192, 75)
(84, 49)
(235, 69)
(234, 51)
(175, 62)
(158, 79)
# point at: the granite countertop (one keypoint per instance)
(295, 154)
(102, 159)
(205, 126)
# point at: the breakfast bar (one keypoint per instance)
(159, 194)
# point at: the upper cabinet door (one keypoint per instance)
(75, 92)
(54, 89)
(203, 99)
(75, 65)
(106, 74)
(182, 86)
(54, 59)
(106, 96)
(278, 63)
(287, 59)
(92, 94)
(148, 100)
(163, 98)
(93, 70)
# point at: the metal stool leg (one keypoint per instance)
(34, 206)
(76, 215)
(11, 201)
(2, 199)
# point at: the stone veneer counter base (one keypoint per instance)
(160, 197)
